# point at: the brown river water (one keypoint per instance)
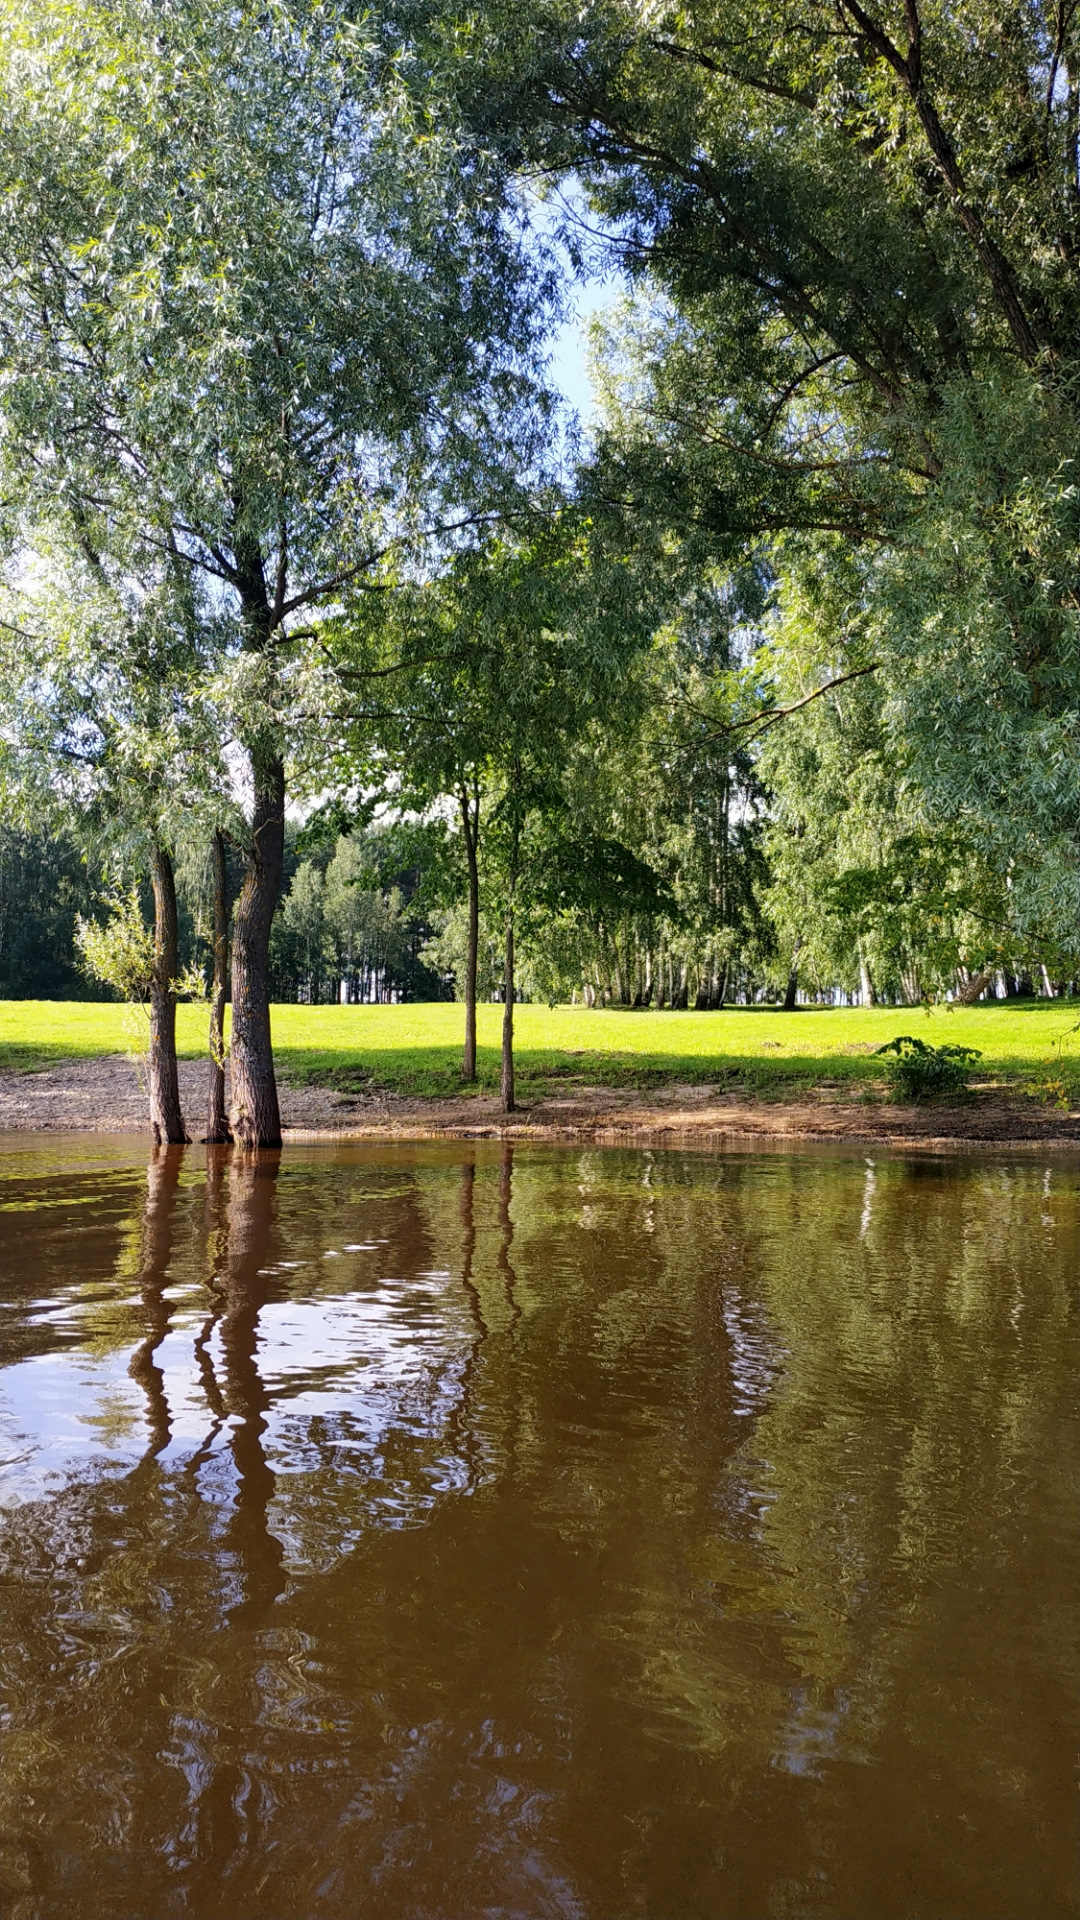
(457, 1532)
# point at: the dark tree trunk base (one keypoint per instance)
(166, 1119)
(507, 1078)
(255, 1116)
(218, 1131)
(470, 821)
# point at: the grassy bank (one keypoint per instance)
(1028, 1045)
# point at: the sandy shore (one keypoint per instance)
(108, 1096)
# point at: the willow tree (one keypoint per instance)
(855, 233)
(103, 662)
(265, 310)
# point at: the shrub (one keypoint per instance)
(121, 953)
(918, 1072)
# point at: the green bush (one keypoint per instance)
(918, 1072)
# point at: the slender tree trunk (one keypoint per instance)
(166, 1119)
(508, 1014)
(255, 1117)
(793, 979)
(470, 821)
(866, 985)
(217, 1124)
(909, 986)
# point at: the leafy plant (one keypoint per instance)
(919, 1072)
(121, 953)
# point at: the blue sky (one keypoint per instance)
(568, 369)
(597, 284)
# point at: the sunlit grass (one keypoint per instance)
(417, 1049)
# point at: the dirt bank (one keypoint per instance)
(108, 1095)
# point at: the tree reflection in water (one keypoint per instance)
(257, 1553)
(545, 1534)
(238, 1241)
(162, 1179)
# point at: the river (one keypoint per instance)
(429, 1532)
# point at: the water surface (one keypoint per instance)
(436, 1532)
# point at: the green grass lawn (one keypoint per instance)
(417, 1049)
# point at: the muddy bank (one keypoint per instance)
(109, 1096)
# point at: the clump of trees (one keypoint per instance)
(353, 925)
(767, 688)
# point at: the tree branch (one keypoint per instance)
(771, 715)
(909, 70)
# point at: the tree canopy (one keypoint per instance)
(772, 675)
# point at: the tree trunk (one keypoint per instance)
(866, 985)
(217, 1125)
(793, 979)
(508, 1015)
(470, 821)
(256, 1120)
(166, 1119)
(909, 986)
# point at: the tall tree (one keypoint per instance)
(498, 664)
(104, 666)
(266, 311)
(854, 231)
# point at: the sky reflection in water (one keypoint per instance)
(431, 1532)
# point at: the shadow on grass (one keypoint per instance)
(17, 1056)
(434, 1072)
(543, 1074)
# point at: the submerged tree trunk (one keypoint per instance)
(217, 1124)
(508, 1014)
(255, 1117)
(470, 822)
(166, 1119)
(508, 973)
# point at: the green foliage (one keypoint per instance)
(921, 1072)
(852, 236)
(275, 448)
(45, 879)
(345, 920)
(120, 953)
(269, 338)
